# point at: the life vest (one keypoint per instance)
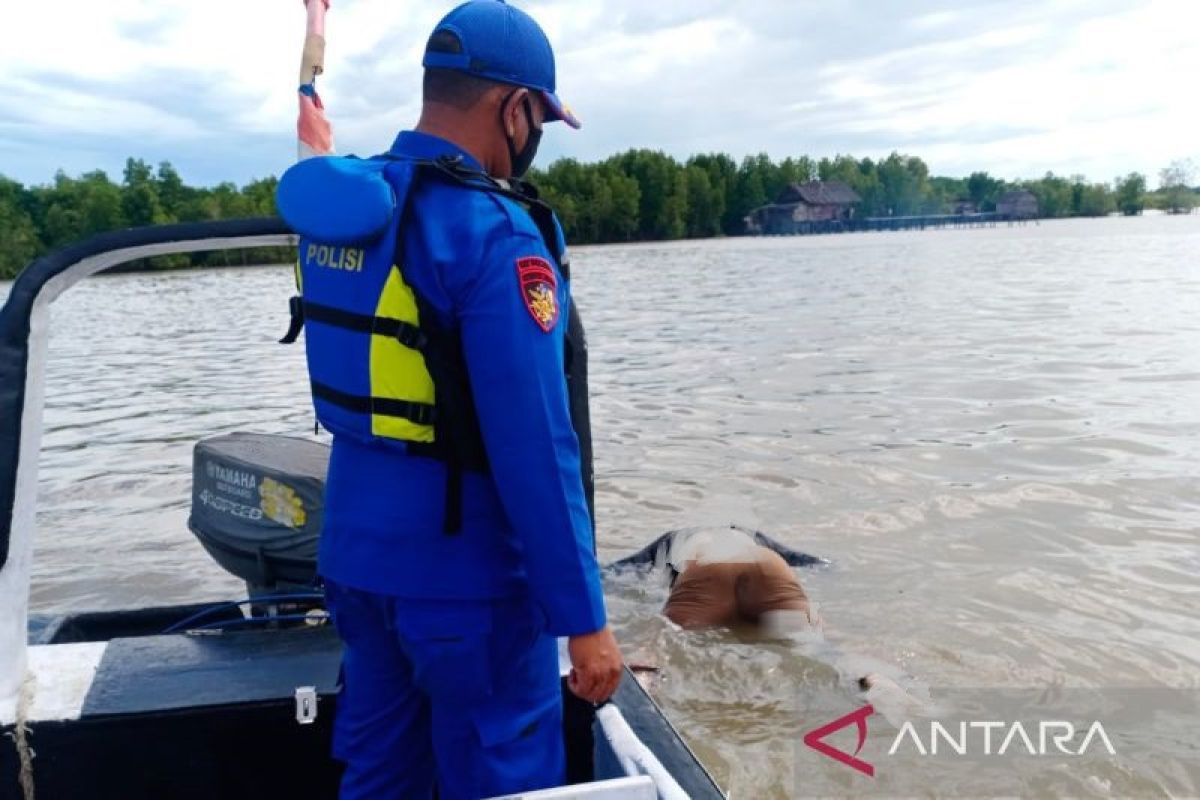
(382, 368)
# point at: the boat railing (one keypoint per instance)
(24, 330)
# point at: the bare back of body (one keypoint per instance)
(725, 593)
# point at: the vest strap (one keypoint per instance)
(303, 311)
(296, 323)
(405, 333)
(417, 413)
(526, 194)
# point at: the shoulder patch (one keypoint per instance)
(539, 290)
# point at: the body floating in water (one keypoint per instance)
(724, 578)
(733, 577)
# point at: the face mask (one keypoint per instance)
(523, 160)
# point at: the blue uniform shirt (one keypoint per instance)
(525, 526)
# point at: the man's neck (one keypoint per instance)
(457, 132)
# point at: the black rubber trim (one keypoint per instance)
(651, 726)
(15, 316)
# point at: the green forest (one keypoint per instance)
(639, 195)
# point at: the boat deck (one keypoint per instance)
(243, 713)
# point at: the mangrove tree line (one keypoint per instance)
(638, 195)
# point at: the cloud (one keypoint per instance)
(1011, 86)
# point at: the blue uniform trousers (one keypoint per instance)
(466, 691)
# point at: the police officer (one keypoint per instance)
(457, 541)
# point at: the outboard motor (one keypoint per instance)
(257, 506)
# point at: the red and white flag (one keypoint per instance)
(313, 129)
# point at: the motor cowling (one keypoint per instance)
(258, 505)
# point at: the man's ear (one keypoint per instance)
(511, 109)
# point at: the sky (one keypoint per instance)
(1015, 88)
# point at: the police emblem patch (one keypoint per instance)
(539, 290)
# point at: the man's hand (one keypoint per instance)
(595, 665)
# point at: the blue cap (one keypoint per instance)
(500, 43)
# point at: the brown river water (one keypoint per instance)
(992, 435)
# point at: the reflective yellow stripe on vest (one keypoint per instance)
(399, 372)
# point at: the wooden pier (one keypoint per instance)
(828, 207)
(923, 221)
(908, 223)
